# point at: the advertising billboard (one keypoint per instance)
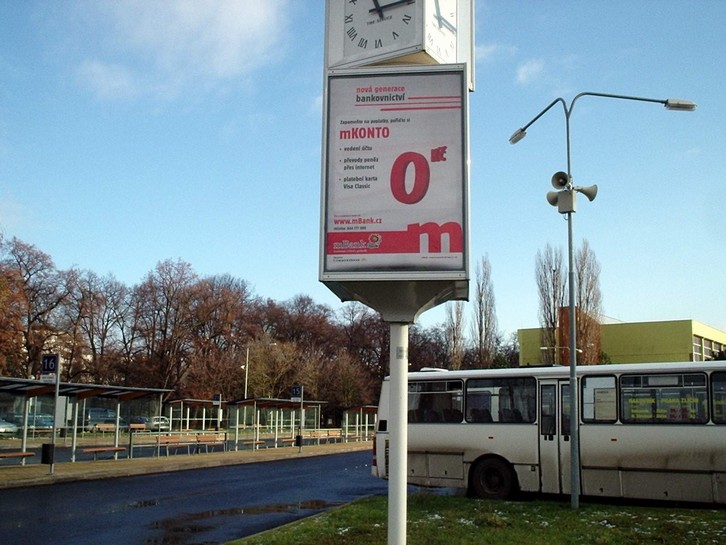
(395, 175)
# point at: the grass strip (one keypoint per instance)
(443, 520)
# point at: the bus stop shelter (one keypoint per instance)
(277, 410)
(362, 420)
(202, 414)
(75, 393)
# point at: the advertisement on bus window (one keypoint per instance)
(395, 184)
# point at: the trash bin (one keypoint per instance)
(298, 441)
(47, 453)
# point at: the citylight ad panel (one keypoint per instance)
(395, 185)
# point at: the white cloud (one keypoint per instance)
(492, 52)
(160, 47)
(530, 71)
(108, 81)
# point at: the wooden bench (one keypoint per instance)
(176, 442)
(328, 435)
(104, 428)
(21, 455)
(100, 450)
(136, 427)
(253, 443)
(211, 440)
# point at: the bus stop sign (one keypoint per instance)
(50, 364)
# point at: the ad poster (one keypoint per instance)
(395, 186)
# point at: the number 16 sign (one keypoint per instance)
(395, 184)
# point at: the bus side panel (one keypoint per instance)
(515, 443)
(644, 461)
(719, 487)
(429, 469)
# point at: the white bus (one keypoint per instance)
(650, 431)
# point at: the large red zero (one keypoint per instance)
(421, 178)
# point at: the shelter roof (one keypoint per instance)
(34, 388)
(366, 409)
(188, 402)
(275, 403)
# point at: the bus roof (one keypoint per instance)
(563, 371)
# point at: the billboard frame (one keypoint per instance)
(400, 290)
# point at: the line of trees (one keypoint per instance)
(201, 336)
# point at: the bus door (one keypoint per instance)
(554, 436)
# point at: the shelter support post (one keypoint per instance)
(236, 428)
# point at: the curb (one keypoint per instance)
(38, 475)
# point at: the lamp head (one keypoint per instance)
(680, 105)
(517, 136)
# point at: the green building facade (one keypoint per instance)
(637, 342)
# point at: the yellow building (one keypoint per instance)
(638, 342)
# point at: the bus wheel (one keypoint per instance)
(492, 478)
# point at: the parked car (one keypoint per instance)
(7, 428)
(158, 423)
(139, 420)
(36, 422)
(96, 416)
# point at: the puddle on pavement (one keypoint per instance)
(178, 530)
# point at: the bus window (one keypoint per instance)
(501, 400)
(435, 401)
(664, 399)
(548, 416)
(565, 415)
(718, 387)
(599, 399)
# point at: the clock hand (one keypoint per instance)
(379, 8)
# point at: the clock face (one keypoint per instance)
(441, 24)
(373, 27)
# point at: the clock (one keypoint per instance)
(441, 30)
(375, 29)
(377, 32)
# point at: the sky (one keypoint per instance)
(136, 131)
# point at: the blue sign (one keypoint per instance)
(296, 392)
(50, 364)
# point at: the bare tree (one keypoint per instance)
(427, 347)
(163, 324)
(455, 333)
(12, 356)
(485, 319)
(366, 337)
(43, 290)
(589, 304)
(219, 309)
(551, 283)
(274, 369)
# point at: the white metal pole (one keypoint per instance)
(74, 441)
(247, 371)
(56, 395)
(236, 427)
(398, 433)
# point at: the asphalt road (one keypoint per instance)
(193, 507)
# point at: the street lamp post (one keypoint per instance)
(247, 369)
(247, 372)
(565, 202)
